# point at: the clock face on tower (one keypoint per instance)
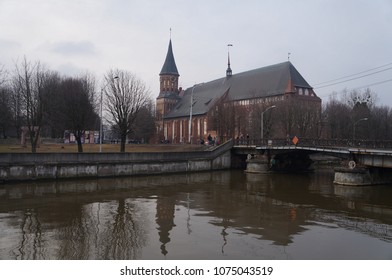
(173, 79)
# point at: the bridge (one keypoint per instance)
(368, 162)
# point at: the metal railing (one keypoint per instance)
(320, 143)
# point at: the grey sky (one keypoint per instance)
(326, 39)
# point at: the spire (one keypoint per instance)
(169, 67)
(228, 70)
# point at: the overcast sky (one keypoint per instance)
(327, 39)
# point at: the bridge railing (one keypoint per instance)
(318, 142)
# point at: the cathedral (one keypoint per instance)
(231, 106)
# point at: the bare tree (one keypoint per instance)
(6, 114)
(380, 123)
(299, 116)
(16, 110)
(269, 122)
(222, 118)
(286, 117)
(29, 81)
(3, 75)
(338, 119)
(342, 114)
(125, 96)
(355, 97)
(5, 102)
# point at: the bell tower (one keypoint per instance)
(168, 89)
(168, 77)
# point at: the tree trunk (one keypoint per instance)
(33, 148)
(33, 141)
(123, 140)
(79, 141)
(78, 137)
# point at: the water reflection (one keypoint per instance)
(215, 215)
(165, 220)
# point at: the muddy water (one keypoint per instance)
(217, 215)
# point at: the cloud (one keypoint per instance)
(6, 44)
(7, 47)
(70, 69)
(73, 48)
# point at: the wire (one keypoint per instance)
(374, 84)
(328, 85)
(348, 76)
(366, 86)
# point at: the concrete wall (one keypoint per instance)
(19, 166)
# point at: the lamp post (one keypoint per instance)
(190, 114)
(262, 121)
(100, 126)
(363, 119)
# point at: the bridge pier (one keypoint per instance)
(288, 162)
(261, 164)
(375, 162)
(362, 176)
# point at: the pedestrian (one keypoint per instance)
(209, 139)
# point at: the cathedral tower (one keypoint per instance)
(168, 90)
(168, 76)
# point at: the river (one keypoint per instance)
(211, 215)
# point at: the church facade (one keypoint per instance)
(236, 105)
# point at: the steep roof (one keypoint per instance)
(267, 81)
(204, 97)
(169, 67)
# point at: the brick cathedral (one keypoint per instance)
(231, 106)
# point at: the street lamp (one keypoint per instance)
(190, 114)
(363, 119)
(262, 121)
(100, 126)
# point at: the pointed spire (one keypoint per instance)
(169, 67)
(228, 70)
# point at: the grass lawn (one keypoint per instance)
(106, 148)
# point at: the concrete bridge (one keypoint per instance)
(366, 162)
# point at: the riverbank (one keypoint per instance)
(40, 166)
(49, 147)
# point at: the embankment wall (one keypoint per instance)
(28, 166)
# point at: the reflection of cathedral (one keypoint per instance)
(232, 213)
(165, 220)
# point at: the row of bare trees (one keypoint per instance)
(46, 104)
(356, 115)
(291, 116)
(346, 115)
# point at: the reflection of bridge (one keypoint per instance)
(370, 159)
